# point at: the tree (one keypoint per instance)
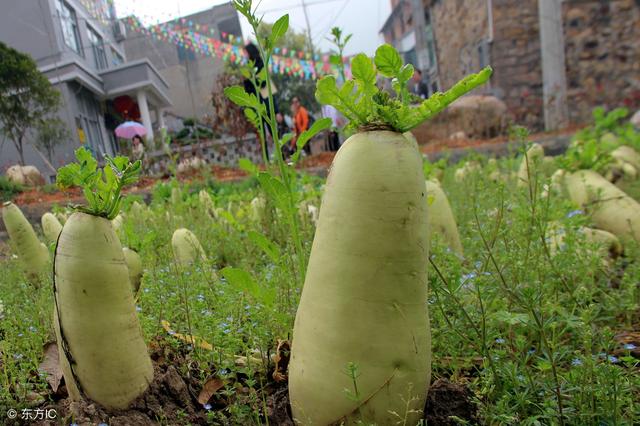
(290, 86)
(51, 132)
(26, 96)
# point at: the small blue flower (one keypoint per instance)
(138, 309)
(531, 351)
(32, 329)
(200, 297)
(500, 340)
(17, 356)
(207, 407)
(630, 346)
(102, 424)
(576, 362)
(612, 359)
(574, 213)
(171, 332)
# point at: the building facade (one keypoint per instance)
(553, 60)
(191, 76)
(78, 46)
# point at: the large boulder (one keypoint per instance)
(25, 175)
(635, 120)
(478, 116)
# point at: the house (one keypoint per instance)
(191, 76)
(78, 46)
(553, 60)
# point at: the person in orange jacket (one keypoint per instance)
(300, 123)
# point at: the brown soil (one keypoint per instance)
(447, 399)
(172, 397)
(445, 144)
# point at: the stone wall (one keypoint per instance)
(602, 53)
(516, 60)
(459, 29)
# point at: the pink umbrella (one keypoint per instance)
(129, 129)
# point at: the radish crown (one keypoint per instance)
(101, 186)
(360, 100)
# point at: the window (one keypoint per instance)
(69, 24)
(98, 49)
(116, 58)
(88, 120)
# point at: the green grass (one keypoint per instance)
(8, 189)
(516, 325)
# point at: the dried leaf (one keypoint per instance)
(283, 354)
(51, 365)
(193, 340)
(212, 385)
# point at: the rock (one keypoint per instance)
(635, 120)
(458, 135)
(25, 175)
(191, 164)
(477, 116)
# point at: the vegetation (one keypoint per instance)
(513, 289)
(51, 133)
(27, 97)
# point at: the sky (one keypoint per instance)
(362, 18)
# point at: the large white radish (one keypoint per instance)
(51, 227)
(186, 248)
(365, 294)
(32, 254)
(102, 351)
(533, 158)
(611, 209)
(441, 219)
(134, 265)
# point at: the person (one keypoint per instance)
(418, 86)
(137, 148)
(283, 129)
(333, 139)
(300, 123)
(263, 93)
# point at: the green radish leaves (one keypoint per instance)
(361, 101)
(101, 187)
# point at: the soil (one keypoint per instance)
(172, 397)
(446, 400)
(445, 144)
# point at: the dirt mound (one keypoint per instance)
(446, 401)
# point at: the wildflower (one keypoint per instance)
(612, 359)
(574, 213)
(467, 277)
(138, 308)
(32, 329)
(531, 351)
(207, 407)
(576, 362)
(500, 340)
(630, 346)
(171, 332)
(200, 297)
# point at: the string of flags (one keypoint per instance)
(198, 38)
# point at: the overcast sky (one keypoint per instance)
(362, 18)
